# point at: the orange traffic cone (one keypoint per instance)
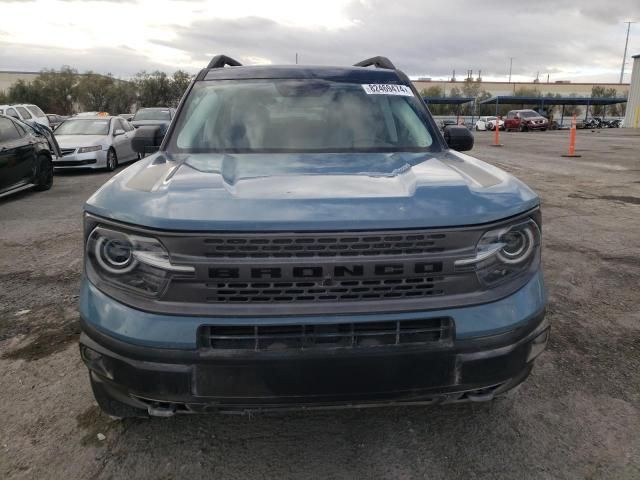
(572, 139)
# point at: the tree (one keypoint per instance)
(93, 91)
(601, 92)
(179, 83)
(154, 89)
(56, 90)
(121, 97)
(434, 92)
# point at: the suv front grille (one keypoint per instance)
(323, 245)
(337, 290)
(318, 336)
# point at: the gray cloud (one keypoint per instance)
(422, 38)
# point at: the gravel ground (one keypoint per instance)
(578, 416)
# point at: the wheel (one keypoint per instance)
(523, 128)
(44, 173)
(543, 129)
(477, 129)
(112, 160)
(112, 407)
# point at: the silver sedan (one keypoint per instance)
(94, 142)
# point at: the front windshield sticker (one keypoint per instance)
(387, 89)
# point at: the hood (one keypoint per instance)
(74, 141)
(256, 192)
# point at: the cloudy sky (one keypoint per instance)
(577, 40)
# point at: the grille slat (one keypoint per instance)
(352, 290)
(433, 331)
(323, 245)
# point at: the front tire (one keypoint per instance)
(523, 128)
(44, 173)
(112, 160)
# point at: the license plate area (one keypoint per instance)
(336, 376)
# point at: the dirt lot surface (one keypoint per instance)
(578, 416)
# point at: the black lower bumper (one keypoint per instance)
(166, 381)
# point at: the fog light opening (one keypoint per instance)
(538, 345)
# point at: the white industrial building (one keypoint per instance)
(632, 117)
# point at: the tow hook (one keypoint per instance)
(161, 410)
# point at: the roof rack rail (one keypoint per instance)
(221, 61)
(378, 62)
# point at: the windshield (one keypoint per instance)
(83, 127)
(152, 114)
(262, 116)
(529, 114)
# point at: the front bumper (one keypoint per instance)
(74, 160)
(166, 379)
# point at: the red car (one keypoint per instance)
(525, 120)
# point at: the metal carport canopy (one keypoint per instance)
(449, 101)
(542, 101)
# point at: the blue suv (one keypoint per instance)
(306, 237)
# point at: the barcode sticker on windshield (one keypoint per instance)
(387, 89)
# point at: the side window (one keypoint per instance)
(127, 126)
(21, 129)
(12, 113)
(24, 112)
(35, 110)
(117, 125)
(8, 131)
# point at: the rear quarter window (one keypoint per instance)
(35, 111)
(24, 113)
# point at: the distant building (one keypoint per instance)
(8, 78)
(561, 87)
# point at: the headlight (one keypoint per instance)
(504, 253)
(90, 149)
(133, 262)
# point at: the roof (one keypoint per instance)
(345, 74)
(528, 100)
(448, 100)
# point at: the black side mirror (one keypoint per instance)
(458, 138)
(147, 139)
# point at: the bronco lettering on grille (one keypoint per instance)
(320, 271)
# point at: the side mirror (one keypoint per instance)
(118, 132)
(458, 138)
(147, 139)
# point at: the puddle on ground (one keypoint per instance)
(616, 198)
(45, 341)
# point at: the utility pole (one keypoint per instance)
(624, 57)
(510, 66)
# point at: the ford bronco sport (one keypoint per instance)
(305, 237)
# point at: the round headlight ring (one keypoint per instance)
(115, 255)
(519, 245)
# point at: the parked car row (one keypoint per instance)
(489, 123)
(25, 112)
(33, 144)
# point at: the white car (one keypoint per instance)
(94, 142)
(26, 112)
(489, 123)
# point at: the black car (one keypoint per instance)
(160, 116)
(25, 157)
